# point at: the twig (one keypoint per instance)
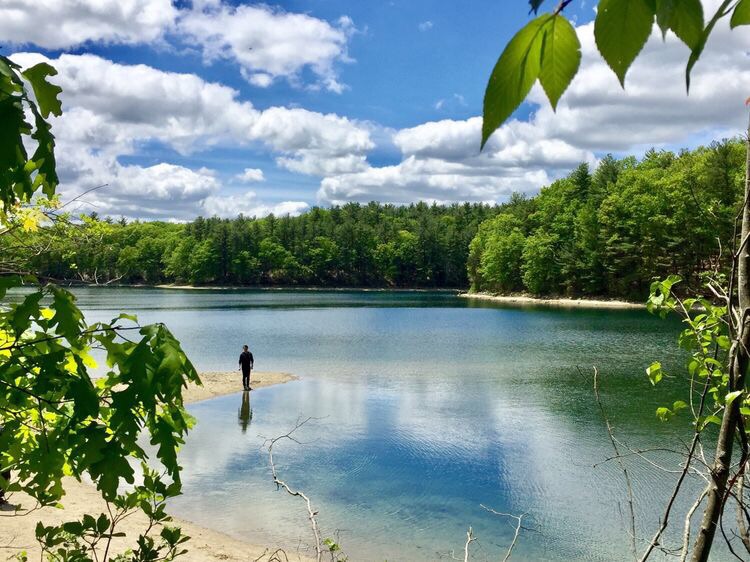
(686, 532)
(470, 538)
(311, 514)
(620, 462)
(519, 526)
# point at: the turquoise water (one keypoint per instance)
(426, 407)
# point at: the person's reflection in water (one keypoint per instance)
(245, 414)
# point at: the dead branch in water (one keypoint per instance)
(311, 513)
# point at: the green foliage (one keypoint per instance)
(540, 271)
(684, 17)
(612, 232)
(21, 176)
(356, 245)
(57, 419)
(547, 47)
(84, 540)
(741, 14)
(706, 340)
(621, 29)
(561, 57)
(59, 422)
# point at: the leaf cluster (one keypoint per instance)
(547, 48)
(21, 174)
(58, 421)
(706, 338)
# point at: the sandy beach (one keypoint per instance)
(557, 302)
(17, 530)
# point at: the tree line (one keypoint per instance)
(612, 231)
(353, 245)
(604, 232)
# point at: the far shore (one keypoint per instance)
(300, 288)
(17, 531)
(527, 300)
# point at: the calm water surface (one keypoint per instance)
(427, 406)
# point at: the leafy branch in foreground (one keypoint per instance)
(547, 48)
(56, 419)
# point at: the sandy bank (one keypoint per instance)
(220, 383)
(17, 530)
(558, 302)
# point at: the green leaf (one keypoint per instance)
(741, 14)
(561, 57)
(664, 413)
(621, 29)
(654, 372)
(723, 342)
(695, 54)
(124, 316)
(683, 17)
(46, 93)
(26, 312)
(707, 420)
(679, 405)
(68, 317)
(9, 282)
(515, 72)
(730, 397)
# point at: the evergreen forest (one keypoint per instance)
(603, 232)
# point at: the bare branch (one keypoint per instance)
(620, 462)
(470, 538)
(519, 526)
(311, 514)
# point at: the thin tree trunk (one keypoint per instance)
(737, 368)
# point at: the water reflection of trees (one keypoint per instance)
(245, 413)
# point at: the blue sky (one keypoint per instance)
(329, 101)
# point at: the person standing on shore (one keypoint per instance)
(246, 365)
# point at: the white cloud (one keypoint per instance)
(456, 101)
(248, 205)
(269, 43)
(58, 24)
(111, 110)
(114, 110)
(114, 107)
(251, 175)
(162, 191)
(441, 160)
(425, 26)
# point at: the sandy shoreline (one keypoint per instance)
(556, 302)
(17, 531)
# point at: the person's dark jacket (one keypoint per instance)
(246, 360)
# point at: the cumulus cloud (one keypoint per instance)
(425, 26)
(54, 24)
(116, 106)
(270, 43)
(111, 110)
(248, 205)
(250, 175)
(441, 160)
(267, 43)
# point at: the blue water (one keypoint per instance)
(427, 406)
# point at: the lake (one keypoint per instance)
(427, 406)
